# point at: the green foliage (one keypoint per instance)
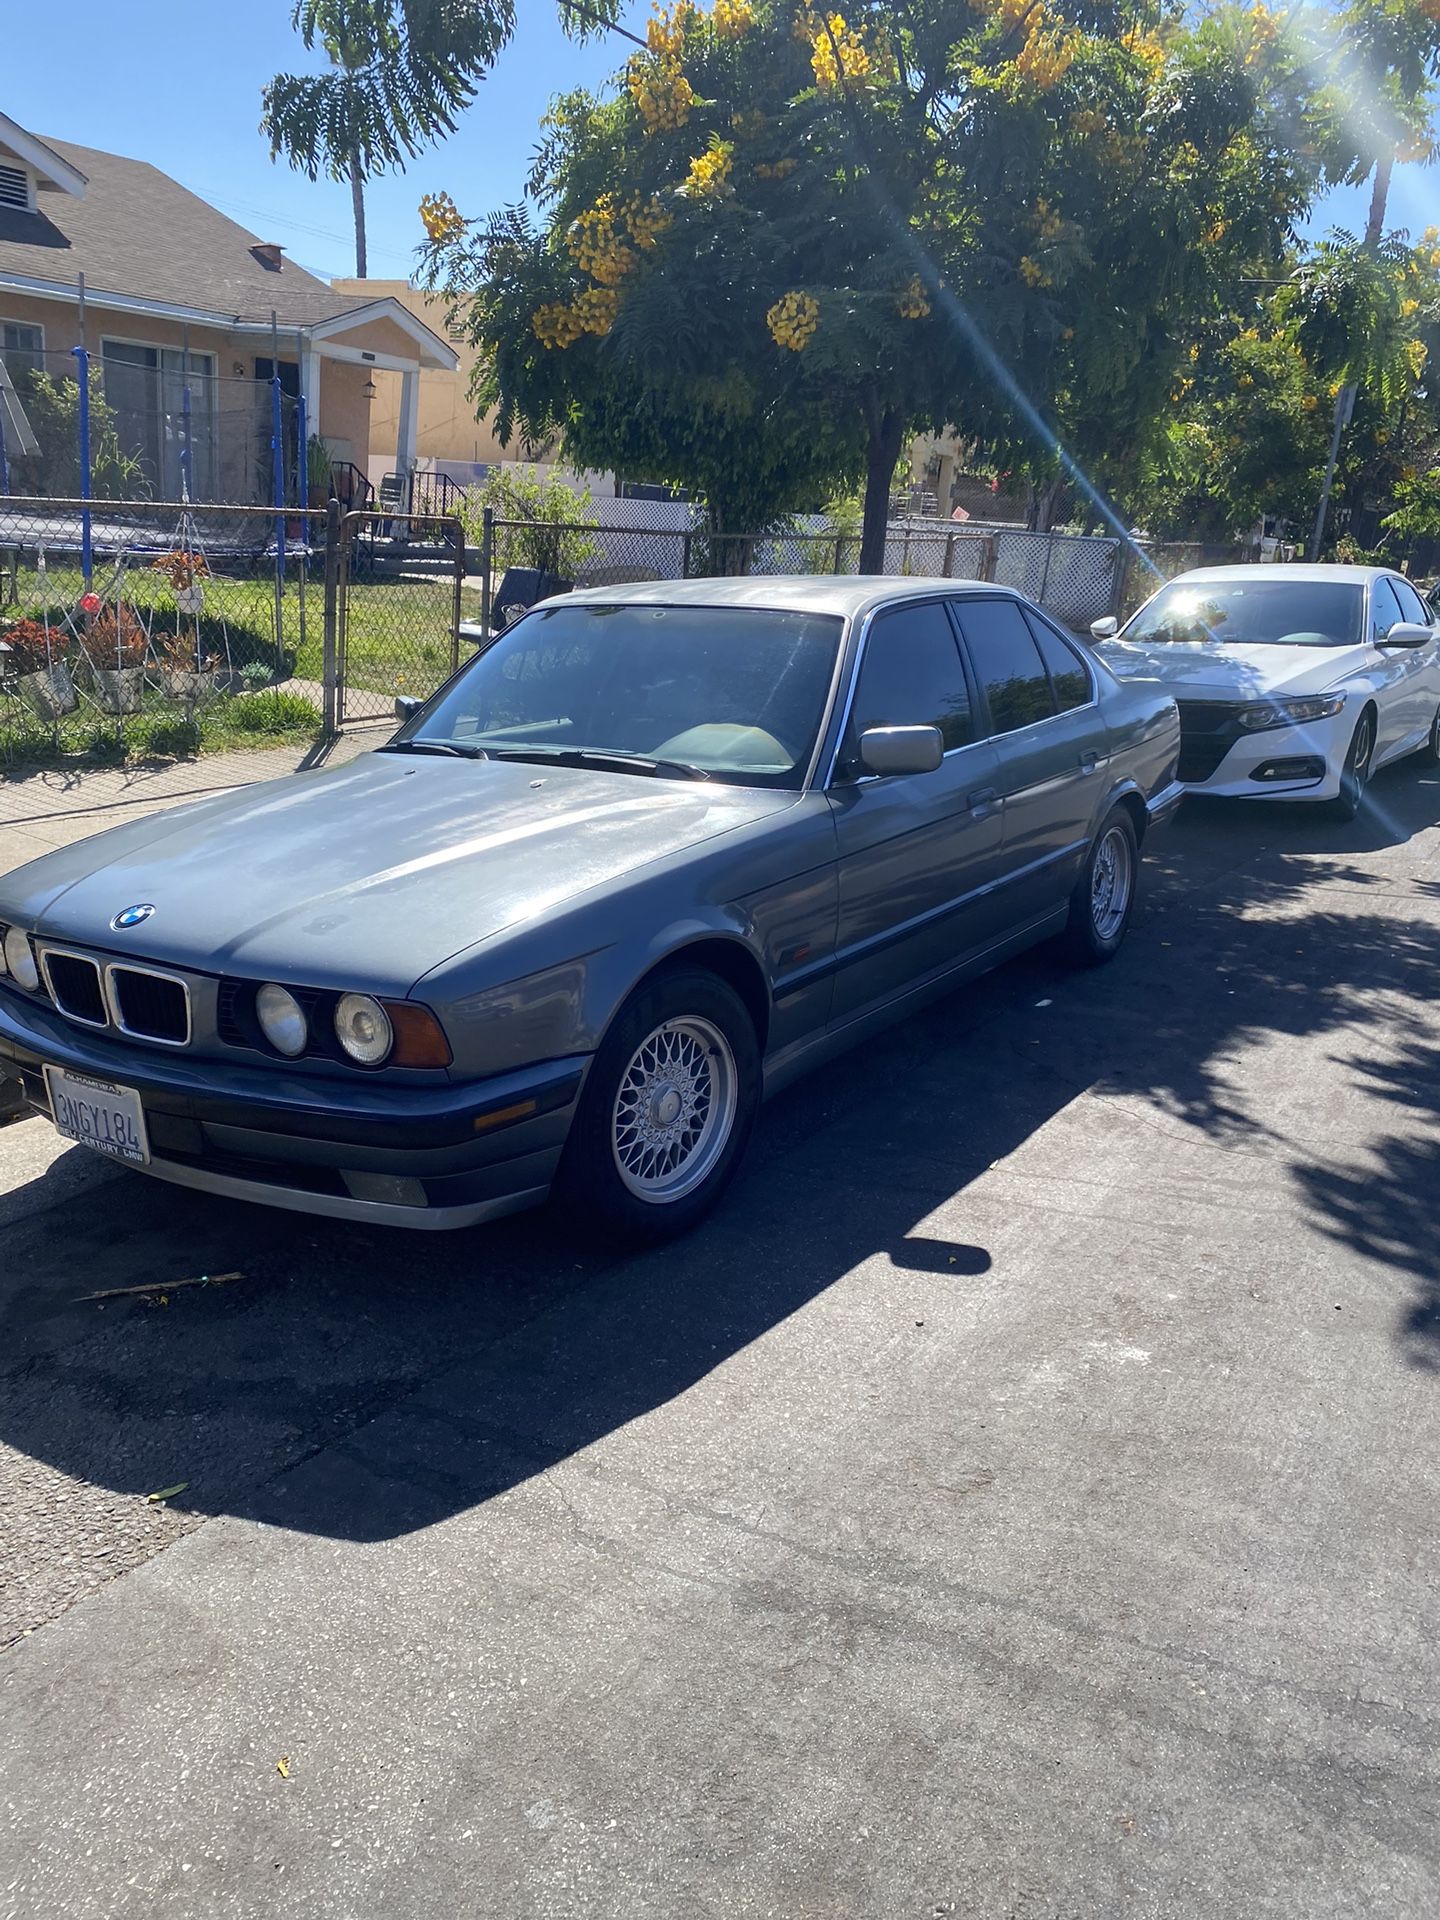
(273, 712)
(255, 676)
(1416, 514)
(53, 409)
(554, 514)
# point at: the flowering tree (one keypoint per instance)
(789, 238)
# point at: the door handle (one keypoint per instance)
(1089, 760)
(984, 800)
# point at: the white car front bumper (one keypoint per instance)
(1219, 756)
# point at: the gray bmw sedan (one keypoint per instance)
(656, 850)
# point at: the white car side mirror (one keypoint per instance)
(1408, 633)
(1105, 629)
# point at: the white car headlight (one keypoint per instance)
(20, 960)
(363, 1028)
(1290, 713)
(282, 1020)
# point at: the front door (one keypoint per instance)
(1419, 686)
(918, 853)
(1052, 746)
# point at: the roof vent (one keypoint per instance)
(14, 186)
(268, 253)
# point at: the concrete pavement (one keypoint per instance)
(1019, 1501)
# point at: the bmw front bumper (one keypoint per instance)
(433, 1155)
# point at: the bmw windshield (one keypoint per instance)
(735, 694)
(1252, 613)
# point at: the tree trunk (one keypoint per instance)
(1345, 399)
(357, 198)
(1379, 195)
(886, 432)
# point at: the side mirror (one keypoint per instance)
(901, 749)
(1407, 633)
(407, 706)
(1105, 629)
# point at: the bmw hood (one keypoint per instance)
(1203, 670)
(377, 871)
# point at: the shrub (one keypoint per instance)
(554, 516)
(273, 712)
(255, 675)
(29, 650)
(114, 638)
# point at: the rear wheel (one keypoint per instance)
(1355, 775)
(667, 1109)
(1104, 896)
(1429, 754)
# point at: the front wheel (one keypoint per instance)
(1429, 754)
(1104, 896)
(667, 1109)
(1355, 775)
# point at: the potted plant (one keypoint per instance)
(185, 572)
(38, 656)
(114, 642)
(186, 675)
(319, 472)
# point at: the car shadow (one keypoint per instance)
(520, 1344)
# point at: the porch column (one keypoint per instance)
(409, 419)
(310, 385)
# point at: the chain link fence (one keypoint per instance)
(400, 602)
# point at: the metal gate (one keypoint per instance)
(394, 600)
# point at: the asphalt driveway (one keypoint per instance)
(1018, 1502)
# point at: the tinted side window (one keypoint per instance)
(911, 676)
(1007, 663)
(1384, 608)
(1411, 606)
(1068, 673)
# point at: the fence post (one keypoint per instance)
(685, 555)
(329, 673)
(1045, 576)
(1120, 580)
(487, 563)
(459, 582)
(949, 554)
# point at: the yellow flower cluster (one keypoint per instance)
(644, 219)
(1309, 404)
(731, 18)
(1048, 224)
(597, 246)
(666, 29)
(749, 123)
(556, 325)
(1033, 274)
(709, 175)
(660, 91)
(837, 52)
(792, 320)
(1047, 54)
(561, 325)
(440, 216)
(912, 302)
(1147, 50)
(777, 169)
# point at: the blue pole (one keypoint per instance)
(86, 558)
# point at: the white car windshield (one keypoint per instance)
(734, 694)
(1250, 613)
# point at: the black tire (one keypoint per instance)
(1098, 923)
(713, 1041)
(1355, 775)
(1429, 754)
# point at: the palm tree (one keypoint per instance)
(401, 72)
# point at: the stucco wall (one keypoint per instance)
(447, 428)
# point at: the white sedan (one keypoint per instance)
(1293, 682)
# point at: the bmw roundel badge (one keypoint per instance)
(131, 916)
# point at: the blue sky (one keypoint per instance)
(190, 103)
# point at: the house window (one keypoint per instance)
(22, 347)
(145, 387)
(15, 187)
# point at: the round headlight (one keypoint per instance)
(20, 960)
(362, 1027)
(282, 1020)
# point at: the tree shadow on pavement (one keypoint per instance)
(519, 1344)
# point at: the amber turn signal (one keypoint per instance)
(419, 1037)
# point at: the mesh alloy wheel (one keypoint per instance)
(674, 1109)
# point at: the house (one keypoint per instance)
(188, 317)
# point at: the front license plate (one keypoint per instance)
(98, 1114)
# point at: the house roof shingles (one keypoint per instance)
(138, 232)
